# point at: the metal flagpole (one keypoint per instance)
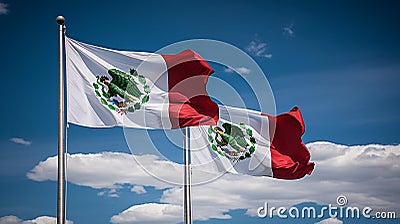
(61, 126)
(187, 186)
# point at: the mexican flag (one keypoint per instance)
(107, 88)
(249, 142)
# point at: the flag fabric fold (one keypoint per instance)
(107, 88)
(249, 142)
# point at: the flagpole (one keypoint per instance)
(61, 126)
(187, 186)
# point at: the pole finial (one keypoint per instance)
(60, 20)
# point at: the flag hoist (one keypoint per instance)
(61, 125)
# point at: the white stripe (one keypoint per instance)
(259, 164)
(85, 62)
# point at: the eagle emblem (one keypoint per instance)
(236, 142)
(124, 93)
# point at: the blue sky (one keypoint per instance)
(338, 61)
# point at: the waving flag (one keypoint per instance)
(109, 88)
(249, 142)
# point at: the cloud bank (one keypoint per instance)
(367, 175)
(109, 170)
(150, 213)
(11, 219)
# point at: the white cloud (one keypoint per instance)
(10, 219)
(138, 189)
(39, 220)
(330, 221)
(109, 170)
(111, 193)
(268, 56)
(241, 70)
(150, 213)
(47, 220)
(258, 48)
(367, 175)
(20, 141)
(3, 8)
(288, 31)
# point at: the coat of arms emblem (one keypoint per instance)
(236, 142)
(124, 93)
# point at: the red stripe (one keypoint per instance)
(290, 157)
(189, 103)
